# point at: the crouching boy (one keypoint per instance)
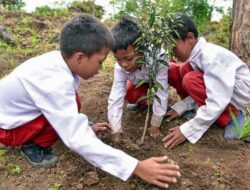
(127, 73)
(213, 78)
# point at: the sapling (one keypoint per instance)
(156, 35)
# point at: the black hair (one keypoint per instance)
(85, 34)
(125, 32)
(183, 25)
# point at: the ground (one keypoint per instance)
(212, 163)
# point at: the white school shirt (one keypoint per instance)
(118, 92)
(227, 80)
(45, 85)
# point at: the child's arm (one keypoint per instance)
(186, 104)
(180, 107)
(159, 109)
(116, 100)
(156, 171)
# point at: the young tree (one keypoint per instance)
(156, 34)
(240, 35)
(200, 11)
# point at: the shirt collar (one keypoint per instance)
(197, 48)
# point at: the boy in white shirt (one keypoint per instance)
(214, 79)
(127, 73)
(38, 106)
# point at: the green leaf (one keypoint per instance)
(142, 98)
(159, 86)
(246, 129)
(162, 62)
(138, 41)
(141, 82)
(238, 128)
(157, 99)
(140, 62)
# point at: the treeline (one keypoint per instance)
(200, 11)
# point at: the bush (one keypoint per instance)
(12, 4)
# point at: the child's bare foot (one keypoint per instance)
(116, 138)
(154, 132)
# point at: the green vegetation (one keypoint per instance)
(241, 131)
(56, 186)
(156, 34)
(14, 169)
(2, 153)
(12, 4)
(36, 33)
(89, 7)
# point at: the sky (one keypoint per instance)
(32, 4)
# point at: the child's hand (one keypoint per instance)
(171, 115)
(116, 138)
(100, 127)
(154, 132)
(156, 171)
(174, 138)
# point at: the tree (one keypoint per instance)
(156, 34)
(200, 11)
(12, 4)
(240, 35)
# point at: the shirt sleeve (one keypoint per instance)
(116, 100)
(60, 109)
(186, 104)
(219, 81)
(159, 109)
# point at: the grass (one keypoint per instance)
(14, 169)
(108, 64)
(240, 131)
(56, 186)
(2, 153)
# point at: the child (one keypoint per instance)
(215, 78)
(38, 106)
(127, 73)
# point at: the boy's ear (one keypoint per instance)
(190, 35)
(79, 57)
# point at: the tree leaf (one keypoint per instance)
(140, 62)
(162, 62)
(142, 98)
(157, 99)
(159, 86)
(141, 82)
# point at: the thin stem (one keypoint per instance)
(146, 124)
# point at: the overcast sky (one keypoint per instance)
(32, 4)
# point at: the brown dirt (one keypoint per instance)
(212, 163)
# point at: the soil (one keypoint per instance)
(212, 163)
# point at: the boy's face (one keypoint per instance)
(127, 58)
(86, 67)
(184, 47)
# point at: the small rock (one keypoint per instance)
(91, 178)
(79, 186)
(194, 174)
(6, 35)
(183, 155)
(247, 139)
(186, 183)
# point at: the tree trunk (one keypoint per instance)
(240, 35)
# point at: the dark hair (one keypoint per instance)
(185, 25)
(125, 32)
(85, 34)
